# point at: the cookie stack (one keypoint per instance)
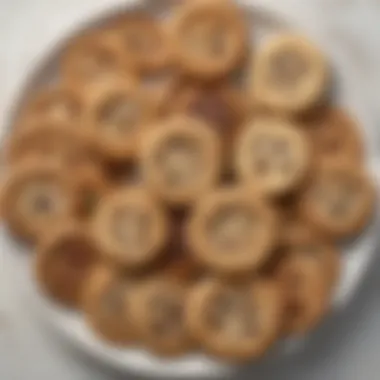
(178, 207)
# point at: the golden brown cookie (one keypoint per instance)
(36, 197)
(106, 303)
(272, 156)
(180, 159)
(49, 140)
(334, 135)
(115, 118)
(235, 322)
(290, 74)
(209, 38)
(64, 260)
(92, 58)
(306, 290)
(340, 199)
(59, 103)
(130, 228)
(231, 231)
(142, 40)
(158, 314)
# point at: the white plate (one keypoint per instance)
(357, 256)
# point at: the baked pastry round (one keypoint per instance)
(209, 38)
(106, 303)
(290, 74)
(158, 314)
(91, 59)
(130, 228)
(61, 103)
(272, 156)
(231, 231)
(340, 199)
(180, 159)
(306, 291)
(117, 114)
(235, 322)
(334, 135)
(64, 260)
(35, 198)
(49, 140)
(142, 41)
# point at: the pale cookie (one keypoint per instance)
(143, 42)
(306, 290)
(106, 303)
(290, 74)
(231, 231)
(180, 159)
(340, 199)
(209, 38)
(131, 228)
(116, 116)
(158, 314)
(36, 197)
(272, 156)
(235, 322)
(64, 260)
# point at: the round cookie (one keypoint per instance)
(142, 40)
(272, 156)
(231, 231)
(334, 135)
(60, 103)
(306, 292)
(235, 322)
(117, 114)
(92, 58)
(340, 199)
(106, 303)
(209, 38)
(130, 228)
(180, 159)
(290, 74)
(158, 314)
(49, 140)
(64, 260)
(36, 197)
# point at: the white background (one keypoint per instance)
(345, 349)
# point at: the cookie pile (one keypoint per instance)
(178, 207)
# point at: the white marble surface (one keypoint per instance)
(345, 349)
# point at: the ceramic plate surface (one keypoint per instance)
(357, 255)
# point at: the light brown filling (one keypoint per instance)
(272, 157)
(337, 200)
(40, 200)
(287, 69)
(231, 229)
(167, 315)
(179, 161)
(232, 314)
(131, 228)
